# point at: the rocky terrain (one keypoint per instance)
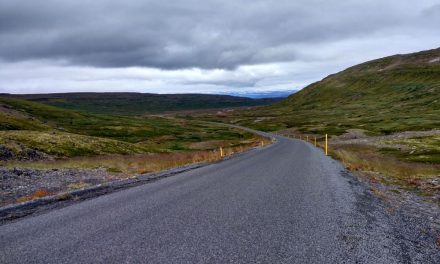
(20, 185)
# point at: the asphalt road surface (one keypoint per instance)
(285, 203)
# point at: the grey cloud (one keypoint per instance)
(431, 16)
(227, 83)
(187, 33)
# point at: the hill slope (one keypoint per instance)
(141, 103)
(396, 93)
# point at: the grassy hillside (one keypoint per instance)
(33, 130)
(139, 103)
(396, 93)
(383, 96)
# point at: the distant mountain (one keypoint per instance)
(268, 94)
(141, 103)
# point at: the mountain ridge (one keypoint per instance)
(140, 103)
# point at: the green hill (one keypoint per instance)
(396, 93)
(140, 103)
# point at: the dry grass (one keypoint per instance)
(35, 195)
(127, 165)
(387, 169)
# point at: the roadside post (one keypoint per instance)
(315, 141)
(326, 145)
(221, 152)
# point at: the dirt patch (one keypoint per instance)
(6, 153)
(259, 119)
(353, 134)
(8, 110)
(21, 153)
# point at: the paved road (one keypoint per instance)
(286, 203)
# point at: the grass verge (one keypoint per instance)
(138, 163)
(387, 169)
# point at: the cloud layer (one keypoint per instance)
(209, 46)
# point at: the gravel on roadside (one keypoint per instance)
(19, 183)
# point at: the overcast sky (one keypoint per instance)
(209, 46)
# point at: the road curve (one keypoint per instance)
(285, 203)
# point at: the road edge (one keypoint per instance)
(15, 212)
